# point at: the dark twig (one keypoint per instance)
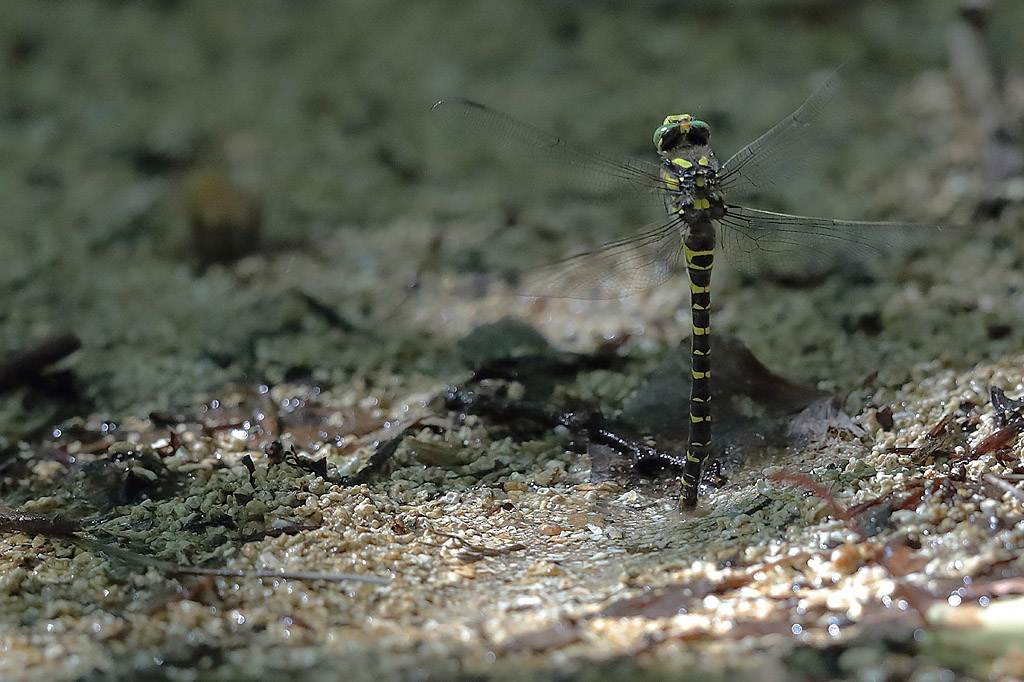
(380, 457)
(325, 312)
(13, 521)
(1008, 410)
(593, 426)
(26, 366)
(804, 481)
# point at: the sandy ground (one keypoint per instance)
(146, 145)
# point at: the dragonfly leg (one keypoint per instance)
(699, 249)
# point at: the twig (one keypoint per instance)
(24, 367)
(1004, 485)
(839, 510)
(580, 423)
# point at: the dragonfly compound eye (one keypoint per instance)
(668, 137)
(698, 133)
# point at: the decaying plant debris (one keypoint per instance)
(826, 545)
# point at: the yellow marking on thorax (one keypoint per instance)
(671, 181)
(682, 163)
(701, 204)
(703, 161)
(700, 182)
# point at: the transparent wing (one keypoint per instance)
(614, 270)
(763, 242)
(545, 158)
(775, 156)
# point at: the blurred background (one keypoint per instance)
(206, 192)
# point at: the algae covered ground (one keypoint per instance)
(269, 409)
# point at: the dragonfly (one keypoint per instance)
(695, 196)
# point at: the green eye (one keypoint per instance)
(658, 132)
(699, 133)
(667, 137)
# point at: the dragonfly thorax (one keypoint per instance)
(691, 184)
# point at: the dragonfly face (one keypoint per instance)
(680, 130)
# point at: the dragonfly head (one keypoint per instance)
(679, 131)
